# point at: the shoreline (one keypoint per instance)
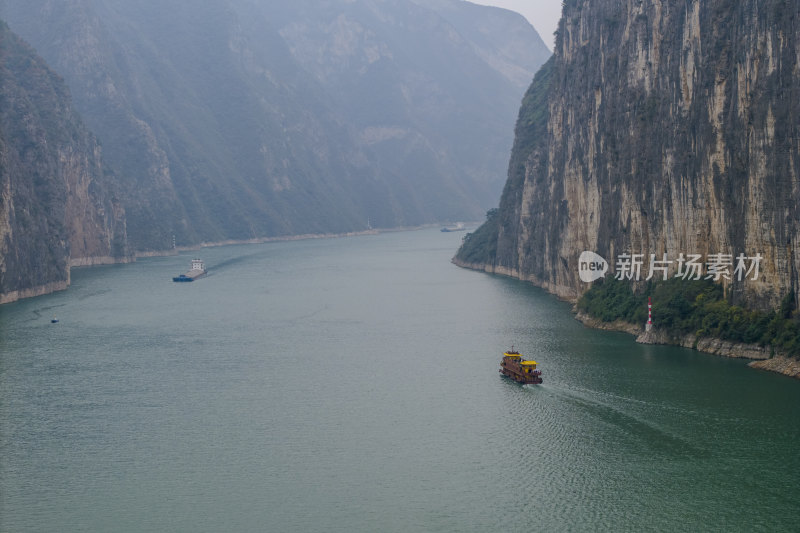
(258, 240)
(762, 357)
(281, 238)
(32, 292)
(86, 262)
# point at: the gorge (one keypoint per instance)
(242, 120)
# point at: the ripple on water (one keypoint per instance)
(352, 385)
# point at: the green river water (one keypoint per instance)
(352, 385)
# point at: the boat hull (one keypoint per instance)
(525, 379)
(190, 276)
(198, 270)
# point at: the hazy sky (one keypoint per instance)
(542, 14)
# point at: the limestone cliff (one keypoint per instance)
(659, 127)
(57, 208)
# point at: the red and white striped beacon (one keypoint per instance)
(649, 325)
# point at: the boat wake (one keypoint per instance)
(239, 259)
(621, 413)
(37, 313)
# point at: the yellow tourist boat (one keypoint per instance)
(521, 371)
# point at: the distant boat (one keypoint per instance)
(456, 227)
(198, 269)
(54, 320)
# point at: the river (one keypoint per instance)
(352, 385)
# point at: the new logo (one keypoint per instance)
(591, 267)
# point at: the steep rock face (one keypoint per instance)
(57, 208)
(668, 128)
(239, 119)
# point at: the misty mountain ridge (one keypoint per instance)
(242, 119)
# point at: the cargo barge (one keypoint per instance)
(457, 227)
(198, 270)
(514, 367)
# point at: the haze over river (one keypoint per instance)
(352, 385)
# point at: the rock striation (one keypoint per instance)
(58, 206)
(719, 347)
(782, 365)
(659, 128)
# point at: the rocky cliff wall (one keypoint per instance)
(57, 207)
(660, 128)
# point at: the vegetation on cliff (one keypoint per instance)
(480, 247)
(669, 128)
(696, 307)
(57, 200)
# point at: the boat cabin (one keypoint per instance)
(518, 369)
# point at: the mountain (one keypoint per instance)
(58, 203)
(657, 128)
(240, 119)
(497, 35)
